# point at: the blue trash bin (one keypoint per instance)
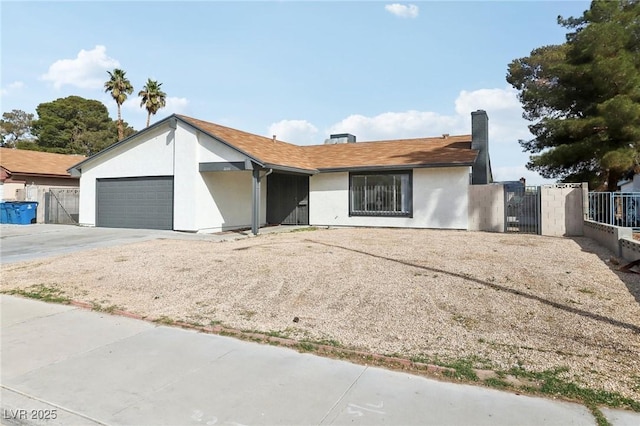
(4, 218)
(12, 213)
(19, 212)
(26, 212)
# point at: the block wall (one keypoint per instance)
(562, 208)
(486, 208)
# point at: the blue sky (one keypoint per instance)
(298, 69)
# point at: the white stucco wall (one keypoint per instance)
(226, 199)
(440, 200)
(151, 155)
(177, 153)
(209, 201)
(228, 202)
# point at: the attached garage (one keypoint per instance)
(135, 202)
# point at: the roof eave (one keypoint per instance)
(42, 175)
(289, 169)
(392, 167)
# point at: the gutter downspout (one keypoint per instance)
(255, 203)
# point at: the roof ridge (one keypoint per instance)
(185, 117)
(424, 138)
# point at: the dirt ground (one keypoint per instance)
(498, 300)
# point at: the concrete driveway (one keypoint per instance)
(28, 242)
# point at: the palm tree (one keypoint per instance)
(152, 98)
(119, 86)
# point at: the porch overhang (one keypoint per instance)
(226, 166)
(289, 169)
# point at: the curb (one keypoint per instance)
(317, 348)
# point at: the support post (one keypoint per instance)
(255, 203)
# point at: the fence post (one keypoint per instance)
(612, 209)
(46, 206)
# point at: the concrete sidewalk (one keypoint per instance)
(88, 368)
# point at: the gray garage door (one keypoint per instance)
(140, 202)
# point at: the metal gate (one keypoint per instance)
(522, 209)
(287, 199)
(62, 205)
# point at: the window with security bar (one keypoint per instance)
(381, 194)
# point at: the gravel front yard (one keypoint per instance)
(503, 300)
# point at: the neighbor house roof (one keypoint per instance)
(272, 153)
(36, 163)
(420, 152)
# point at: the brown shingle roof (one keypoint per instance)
(20, 161)
(420, 152)
(261, 148)
(453, 150)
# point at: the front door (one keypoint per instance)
(287, 199)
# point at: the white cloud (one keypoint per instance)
(504, 109)
(397, 125)
(502, 106)
(403, 11)
(11, 87)
(487, 99)
(86, 71)
(506, 127)
(299, 132)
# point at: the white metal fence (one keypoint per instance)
(615, 208)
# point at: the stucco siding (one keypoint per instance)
(227, 202)
(188, 184)
(440, 200)
(210, 150)
(11, 191)
(151, 155)
(209, 201)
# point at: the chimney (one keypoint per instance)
(340, 138)
(274, 138)
(481, 169)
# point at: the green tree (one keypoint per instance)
(119, 86)
(15, 128)
(153, 98)
(75, 125)
(583, 97)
